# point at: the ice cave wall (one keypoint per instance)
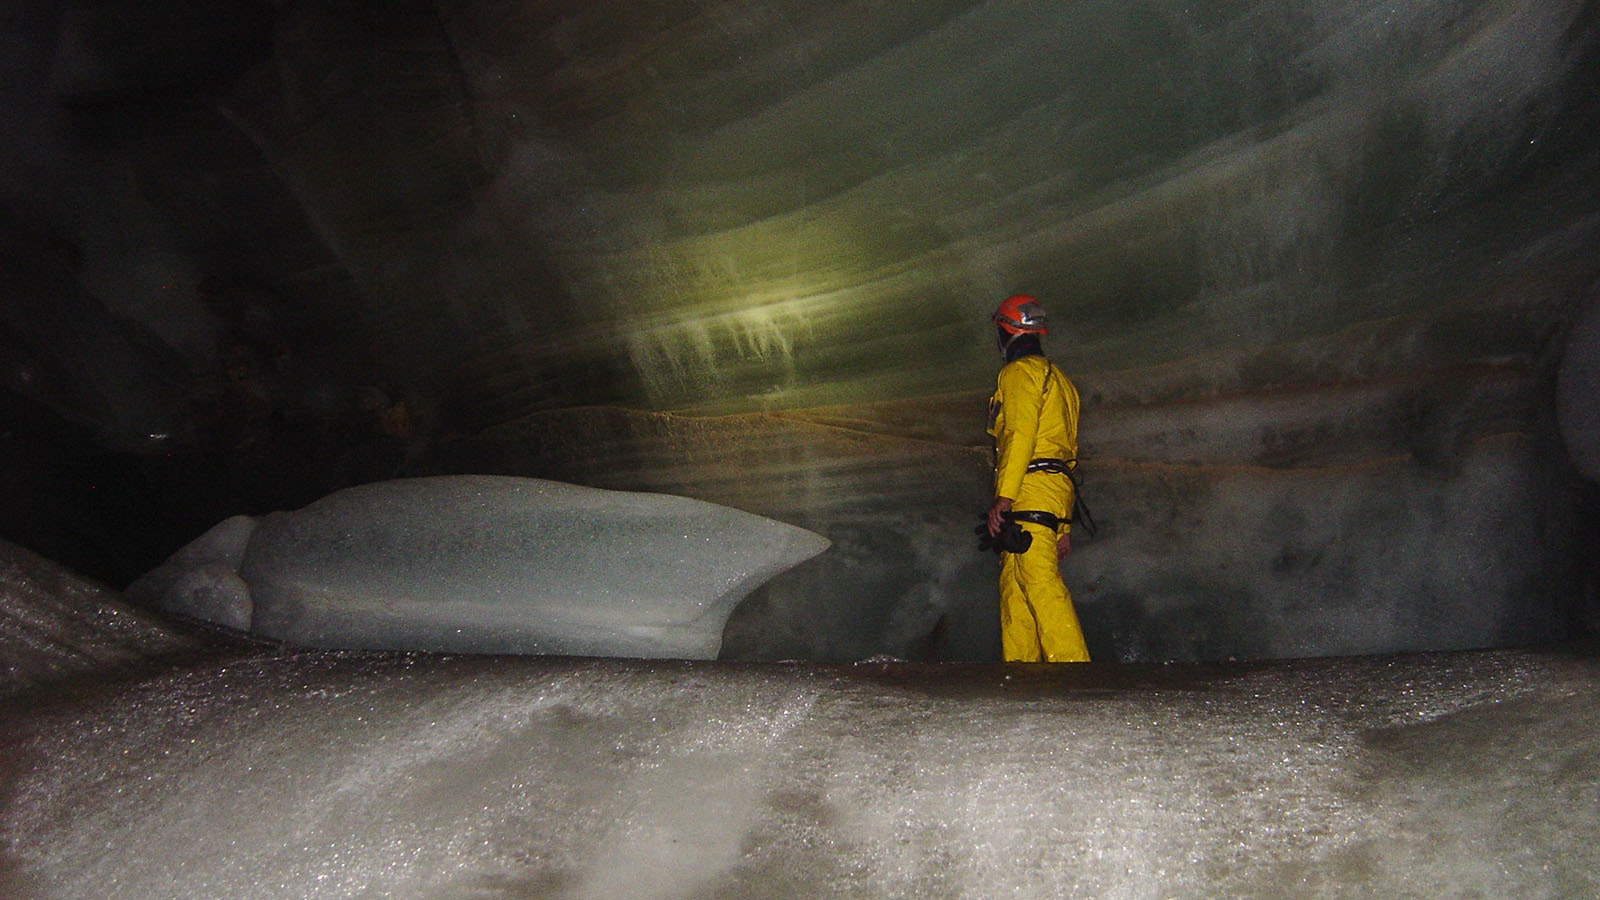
(1305, 546)
(1318, 268)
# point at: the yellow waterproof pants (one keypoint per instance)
(1037, 622)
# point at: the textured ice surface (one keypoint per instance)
(202, 579)
(491, 564)
(55, 624)
(337, 774)
(252, 772)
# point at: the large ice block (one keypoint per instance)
(497, 564)
(202, 579)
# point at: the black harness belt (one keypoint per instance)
(1058, 466)
(1035, 517)
(1080, 510)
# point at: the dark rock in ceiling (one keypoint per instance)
(1325, 274)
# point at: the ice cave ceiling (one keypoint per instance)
(1325, 273)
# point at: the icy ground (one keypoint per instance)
(55, 623)
(270, 774)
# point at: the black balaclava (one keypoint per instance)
(1018, 346)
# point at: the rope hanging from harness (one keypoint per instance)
(1012, 539)
(1080, 510)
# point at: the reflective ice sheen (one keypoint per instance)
(55, 624)
(343, 774)
(483, 563)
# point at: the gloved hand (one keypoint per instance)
(986, 541)
(1011, 539)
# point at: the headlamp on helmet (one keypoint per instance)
(1020, 314)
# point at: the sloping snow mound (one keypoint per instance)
(491, 564)
(55, 624)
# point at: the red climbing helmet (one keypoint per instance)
(1020, 314)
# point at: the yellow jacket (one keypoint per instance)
(1033, 415)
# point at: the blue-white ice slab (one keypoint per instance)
(491, 564)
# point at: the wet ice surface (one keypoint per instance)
(329, 774)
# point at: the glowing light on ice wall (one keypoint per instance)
(744, 209)
(699, 205)
(759, 311)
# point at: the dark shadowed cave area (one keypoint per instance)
(1325, 274)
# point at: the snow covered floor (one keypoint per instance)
(271, 774)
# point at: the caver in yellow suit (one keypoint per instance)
(1033, 417)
